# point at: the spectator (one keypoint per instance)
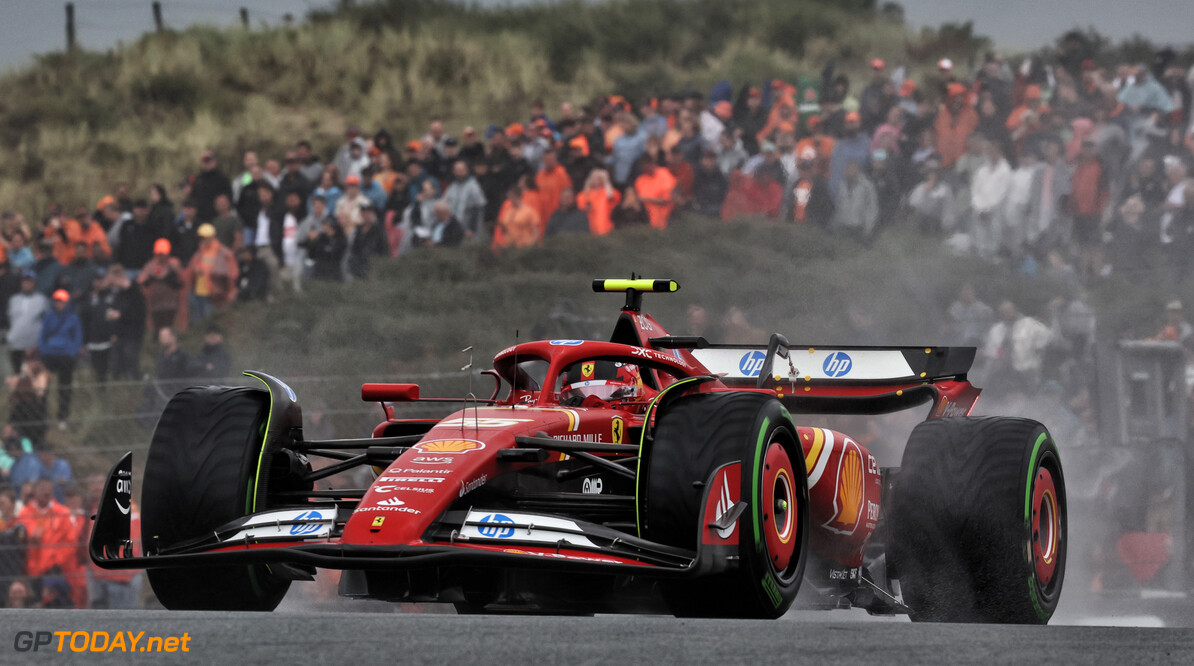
(161, 209)
(19, 256)
(810, 201)
(210, 183)
(349, 153)
(291, 269)
(756, 189)
(51, 533)
(293, 180)
(182, 233)
(988, 197)
(713, 122)
(174, 367)
(76, 277)
(1176, 328)
(969, 318)
(856, 207)
(136, 239)
(1014, 350)
(326, 247)
(1131, 246)
(1051, 228)
(348, 207)
(518, 223)
(419, 217)
(631, 212)
(1175, 201)
(328, 188)
(92, 235)
(955, 122)
(447, 230)
(59, 344)
(877, 97)
(731, 154)
(129, 316)
(309, 164)
(567, 218)
(885, 176)
(27, 392)
(466, 201)
(308, 229)
(251, 173)
(162, 281)
(25, 312)
(709, 186)
(1025, 120)
(368, 242)
(1145, 182)
(684, 174)
(932, 201)
(626, 150)
(751, 116)
(252, 281)
(20, 594)
(63, 233)
(99, 329)
(1088, 199)
(655, 187)
(598, 200)
(228, 225)
(266, 234)
(212, 275)
(853, 147)
(820, 143)
(10, 285)
(551, 180)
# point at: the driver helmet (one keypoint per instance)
(601, 380)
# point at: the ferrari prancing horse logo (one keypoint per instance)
(586, 370)
(619, 429)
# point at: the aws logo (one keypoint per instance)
(848, 496)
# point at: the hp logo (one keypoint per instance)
(751, 363)
(837, 364)
(497, 526)
(300, 529)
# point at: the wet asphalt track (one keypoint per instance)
(393, 637)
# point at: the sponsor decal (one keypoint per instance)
(847, 499)
(949, 409)
(413, 489)
(405, 479)
(303, 529)
(567, 343)
(592, 486)
(645, 325)
(477, 422)
(872, 465)
(378, 521)
(505, 351)
(413, 470)
(639, 351)
(470, 486)
(497, 526)
(837, 364)
(393, 501)
(751, 363)
(399, 509)
(562, 556)
(431, 460)
(872, 511)
(587, 370)
(843, 574)
(452, 446)
(618, 430)
(724, 504)
(591, 437)
(123, 487)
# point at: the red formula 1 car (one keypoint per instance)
(650, 473)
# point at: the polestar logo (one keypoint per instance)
(723, 507)
(393, 501)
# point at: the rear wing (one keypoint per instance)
(842, 379)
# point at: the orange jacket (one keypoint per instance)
(97, 241)
(952, 133)
(654, 188)
(64, 249)
(213, 273)
(518, 224)
(598, 205)
(550, 184)
(1088, 196)
(52, 538)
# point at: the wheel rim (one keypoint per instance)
(1046, 526)
(780, 519)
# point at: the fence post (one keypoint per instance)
(244, 17)
(70, 26)
(157, 15)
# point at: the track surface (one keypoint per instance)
(393, 637)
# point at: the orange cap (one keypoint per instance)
(161, 246)
(853, 117)
(61, 295)
(414, 145)
(955, 89)
(103, 203)
(1032, 92)
(878, 63)
(580, 142)
(515, 129)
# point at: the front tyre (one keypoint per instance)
(696, 439)
(978, 520)
(200, 474)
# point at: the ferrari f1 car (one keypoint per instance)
(650, 473)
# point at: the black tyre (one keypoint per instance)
(199, 475)
(695, 438)
(978, 522)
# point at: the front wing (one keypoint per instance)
(307, 536)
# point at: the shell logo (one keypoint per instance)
(450, 446)
(848, 498)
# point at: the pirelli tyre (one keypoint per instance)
(978, 521)
(199, 475)
(697, 436)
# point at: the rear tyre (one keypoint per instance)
(200, 474)
(695, 438)
(978, 522)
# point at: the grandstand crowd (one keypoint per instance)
(1069, 167)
